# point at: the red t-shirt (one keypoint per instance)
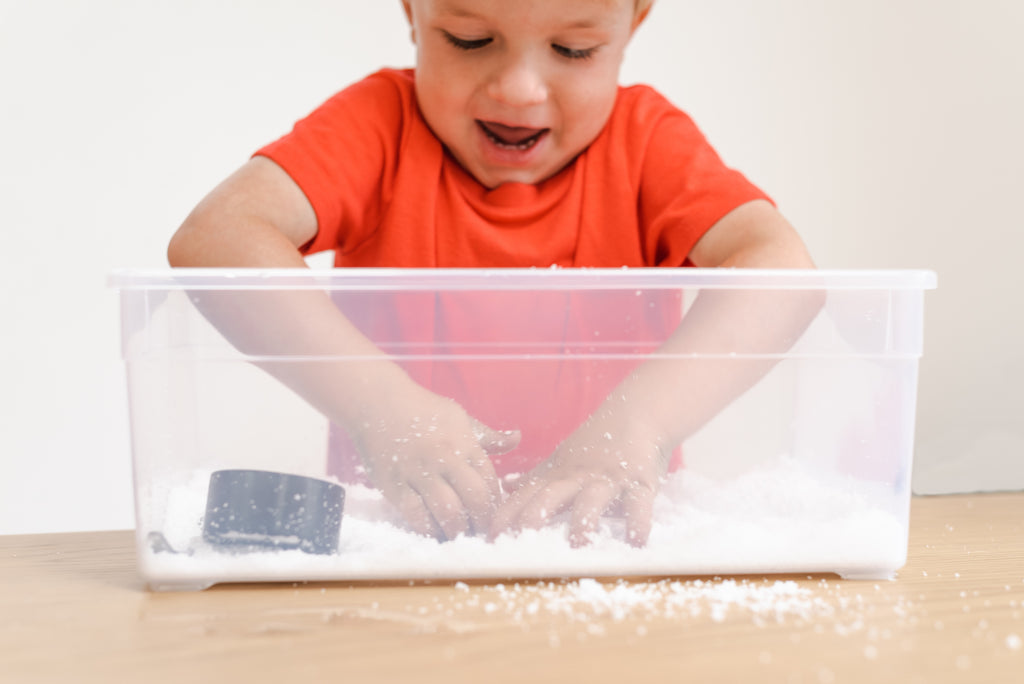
(387, 193)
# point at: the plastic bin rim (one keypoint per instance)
(517, 278)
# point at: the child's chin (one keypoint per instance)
(492, 178)
(523, 178)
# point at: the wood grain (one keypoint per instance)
(73, 609)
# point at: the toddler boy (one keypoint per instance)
(510, 144)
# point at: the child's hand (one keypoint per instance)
(430, 459)
(613, 458)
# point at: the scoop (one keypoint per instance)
(258, 510)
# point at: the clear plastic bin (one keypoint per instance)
(776, 409)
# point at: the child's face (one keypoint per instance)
(516, 89)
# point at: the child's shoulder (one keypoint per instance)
(388, 94)
(400, 77)
(646, 97)
(643, 105)
(387, 80)
(640, 90)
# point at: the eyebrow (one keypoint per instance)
(460, 11)
(583, 24)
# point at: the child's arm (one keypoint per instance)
(620, 454)
(423, 451)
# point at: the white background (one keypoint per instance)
(887, 130)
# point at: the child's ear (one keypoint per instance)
(407, 6)
(639, 17)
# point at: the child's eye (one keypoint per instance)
(464, 44)
(570, 53)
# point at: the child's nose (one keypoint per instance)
(518, 84)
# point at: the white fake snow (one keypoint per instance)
(775, 519)
(587, 599)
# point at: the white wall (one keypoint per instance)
(888, 131)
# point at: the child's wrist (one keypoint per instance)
(369, 394)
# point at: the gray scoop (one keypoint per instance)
(261, 510)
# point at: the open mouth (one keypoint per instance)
(511, 137)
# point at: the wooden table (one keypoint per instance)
(72, 609)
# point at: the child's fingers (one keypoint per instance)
(443, 504)
(478, 495)
(495, 442)
(414, 511)
(638, 507)
(595, 498)
(548, 500)
(485, 469)
(508, 512)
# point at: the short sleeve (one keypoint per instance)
(342, 155)
(685, 187)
